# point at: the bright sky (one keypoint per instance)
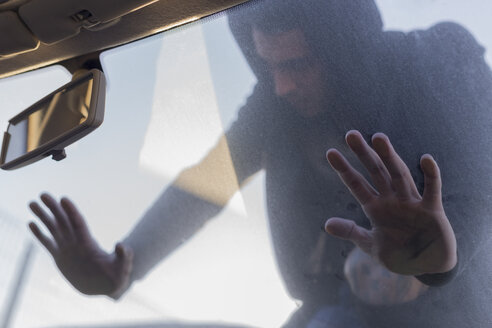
(152, 130)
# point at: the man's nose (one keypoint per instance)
(284, 83)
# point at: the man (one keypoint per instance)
(325, 68)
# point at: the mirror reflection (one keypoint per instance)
(49, 119)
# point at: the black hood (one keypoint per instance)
(346, 32)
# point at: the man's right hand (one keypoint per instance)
(89, 268)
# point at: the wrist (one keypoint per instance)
(439, 279)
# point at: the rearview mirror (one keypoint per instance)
(54, 122)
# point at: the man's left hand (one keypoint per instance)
(410, 232)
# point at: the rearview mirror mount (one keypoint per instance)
(56, 121)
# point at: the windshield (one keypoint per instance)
(211, 165)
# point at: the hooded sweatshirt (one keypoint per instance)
(429, 91)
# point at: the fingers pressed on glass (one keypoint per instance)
(432, 180)
(47, 221)
(349, 230)
(76, 220)
(355, 182)
(401, 178)
(47, 242)
(371, 160)
(59, 214)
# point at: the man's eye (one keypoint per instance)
(297, 66)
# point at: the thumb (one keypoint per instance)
(124, 260)
(124, 254)
(349, 230)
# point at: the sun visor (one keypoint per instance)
(55, 20)
(15, 37)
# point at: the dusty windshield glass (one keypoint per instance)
(288, 163)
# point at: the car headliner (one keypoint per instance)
(157, 17)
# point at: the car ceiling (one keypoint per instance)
(38, 33)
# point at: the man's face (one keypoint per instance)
(296, 72)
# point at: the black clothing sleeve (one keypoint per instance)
(177, 215)
(438, 279)
(456, 96)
